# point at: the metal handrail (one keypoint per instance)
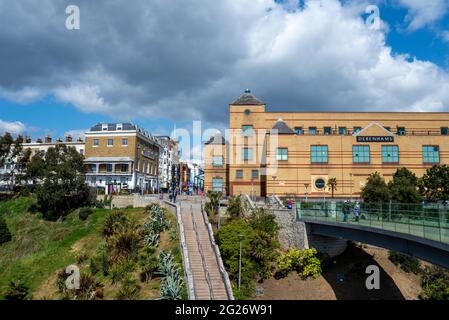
(413, 222)
(203, 261)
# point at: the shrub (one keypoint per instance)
(304, 262)
(120, 270)
(113, 221)
(149, 265)
(5, 234)
(84, 213)
(435, 284)
(172, 283)
(17, 290)
(235, 207)
(129, 289)
(405, 262)
(156, 222)
(124, 243)
(90, 288)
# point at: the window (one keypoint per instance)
(360, 154)
(255, 174)
(247, 130)
(357, 129)
(342, 131)
(312, 131)
(281, 154)
(444, 131)
(93, 168)
(125, 142)
(96, 143)
(319, 154)
(217, 184)
(123, 167)
(327, 130)
(247, 154)
(401, 131)
(390, 154)
(320, 183)
(217, 161)
(109, 167)
(299, 131)
(239, 174)
(247, 112)
(81, 151)
(431, 154)
(110, 142)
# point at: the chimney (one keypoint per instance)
(47, 139)
(68, 138)
(59, 140)
(79, 139)
(38, 140)
(27, 139)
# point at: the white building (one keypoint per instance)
(168, 158)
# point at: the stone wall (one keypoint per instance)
(297, 234)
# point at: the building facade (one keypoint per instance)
(296, 153)
(122, 156)
(169, 157)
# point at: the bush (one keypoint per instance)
(120, 270)
(5, 234)
(304, 262)
(124, 243)
(405, 262)
(149, 265)
(129, 289)
(84, 213)
(17, 290)
(435, 284)
(114, 221)
(172, 284)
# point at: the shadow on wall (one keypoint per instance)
(346, 275)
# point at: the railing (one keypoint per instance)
(223, 272)
(429, 221)
(203, 260)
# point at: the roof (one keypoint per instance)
(109, 159)
(113, 127)
(283, 128)
(247, 99)
(218, 139)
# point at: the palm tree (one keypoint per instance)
(211, 207)
(332, 184)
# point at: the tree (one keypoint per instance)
(11, 153)
(404, 187)
(332, 184)
(434, 185)
(375, 189)
(235, 207)
(212, 206)
(63, 188)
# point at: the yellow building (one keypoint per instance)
(121, 156)
(296, 153)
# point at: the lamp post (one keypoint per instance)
(241, 237)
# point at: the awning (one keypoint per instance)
(108, 159)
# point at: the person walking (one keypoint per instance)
(357, 211)
(345, 211)
(175, 194)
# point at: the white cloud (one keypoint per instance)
(14, 127)
(422, 13)
(143, 65)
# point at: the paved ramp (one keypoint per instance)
(209, 281)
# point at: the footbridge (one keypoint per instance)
(417, 230)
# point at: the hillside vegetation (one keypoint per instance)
(124, 264)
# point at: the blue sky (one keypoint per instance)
(56, 82)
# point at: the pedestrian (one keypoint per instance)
(345, 211)
(175, 194)
(357, 211)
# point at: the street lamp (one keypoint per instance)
(241, 237)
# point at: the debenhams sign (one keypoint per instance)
(375, 139)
